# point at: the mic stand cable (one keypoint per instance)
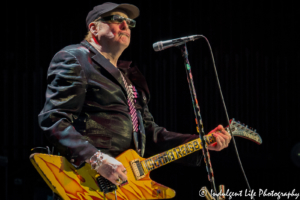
(223, 101)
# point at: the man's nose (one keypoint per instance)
(124, 25)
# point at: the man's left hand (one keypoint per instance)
(222, 138)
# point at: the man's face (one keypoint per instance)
(120, 31)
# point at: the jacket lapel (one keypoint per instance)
(103, 62)
(135, 76)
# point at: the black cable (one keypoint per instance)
(234, 144)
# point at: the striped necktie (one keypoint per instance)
(132, 109)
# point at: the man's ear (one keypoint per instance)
(93, 28)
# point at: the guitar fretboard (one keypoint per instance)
(173, 154)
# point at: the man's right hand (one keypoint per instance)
(112, 170)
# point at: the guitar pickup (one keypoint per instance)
(137, 169)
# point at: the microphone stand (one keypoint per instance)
(198, 118)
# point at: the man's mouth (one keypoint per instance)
(125, 34)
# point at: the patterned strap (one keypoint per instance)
(132, 109)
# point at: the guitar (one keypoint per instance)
(85, 184)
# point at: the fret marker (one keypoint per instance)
(183, 150)
(191, 147)
(170, 155)
(196, 144)
(187, 148)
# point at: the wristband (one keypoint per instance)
(96, 160)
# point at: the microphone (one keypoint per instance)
(162, 45)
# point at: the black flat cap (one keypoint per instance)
(131, 10)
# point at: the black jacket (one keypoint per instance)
(86, 107)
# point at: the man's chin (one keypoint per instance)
(124, 42)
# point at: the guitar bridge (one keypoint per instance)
(105, 185)
(137, 169)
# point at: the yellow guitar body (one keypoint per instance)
(80, 184)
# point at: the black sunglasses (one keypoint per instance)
(119, 19)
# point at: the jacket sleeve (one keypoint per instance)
(65, 96)
(159, 140)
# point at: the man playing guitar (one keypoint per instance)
(97, 106)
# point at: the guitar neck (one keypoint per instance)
(176, 153)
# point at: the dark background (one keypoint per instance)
(256, 47)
